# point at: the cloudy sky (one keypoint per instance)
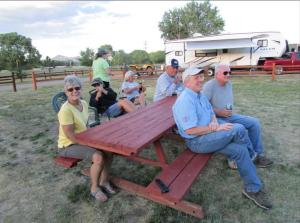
(66, 28)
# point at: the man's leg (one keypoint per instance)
(232, 144)
(253, 127)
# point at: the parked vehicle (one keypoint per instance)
(145, 68)
(287, 59)
(236, 49)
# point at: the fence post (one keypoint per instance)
(90, 75)
(34, 81)
(273, 71)
(13, 81)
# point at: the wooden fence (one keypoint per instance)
(9, 79)
(57, 75)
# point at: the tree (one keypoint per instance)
(47, 62)
(17, 52)
(157, 57)
(120, 57)
(139, 57)
(86, 57)
(194, 17)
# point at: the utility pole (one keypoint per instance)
(146, 46)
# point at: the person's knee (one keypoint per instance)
(238, 128)
(255, 122)
(97, 158)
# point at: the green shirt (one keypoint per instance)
(99, 69)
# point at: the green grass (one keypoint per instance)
(33, 189)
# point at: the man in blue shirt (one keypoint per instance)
(219, 93)
(168, 82)
(203, 133)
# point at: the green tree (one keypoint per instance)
(120, 58)
(139, 57)
(17, 53)
(194, 17)
(157, 57)
(86, 57)
(47, 62)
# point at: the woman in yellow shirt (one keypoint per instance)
(73, 118)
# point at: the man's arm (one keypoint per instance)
(223, 112)
(202, 130)
(167, 88)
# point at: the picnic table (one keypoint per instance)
(129, 134)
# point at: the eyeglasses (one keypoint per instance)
(72, 89)
(227, 73)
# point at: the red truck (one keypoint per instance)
(287, 59)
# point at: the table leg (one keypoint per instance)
(159, 152)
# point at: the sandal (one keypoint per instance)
(232, 164)
(99, 195)
(108, 189)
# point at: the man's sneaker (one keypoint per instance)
(261, 161)
(260, 199)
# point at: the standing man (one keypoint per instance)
(101, 67)
(168, 82)
(203, 133)
(219, 93)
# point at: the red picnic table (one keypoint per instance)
(129, 134)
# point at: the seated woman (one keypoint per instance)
(73, 118)
(132, 90)
(104, 99)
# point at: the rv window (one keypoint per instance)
(262, 43)
(178, 53)
(199, 53)
(225, 50)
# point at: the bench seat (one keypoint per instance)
(180, 175)
(66, 161)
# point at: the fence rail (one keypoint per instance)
(58, 75)
(9, 79)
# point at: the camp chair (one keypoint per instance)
(61, 97)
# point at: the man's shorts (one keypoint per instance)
(114, 110)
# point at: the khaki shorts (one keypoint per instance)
(78, 151)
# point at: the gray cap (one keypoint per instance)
(96, 81)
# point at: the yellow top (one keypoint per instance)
(69, 115)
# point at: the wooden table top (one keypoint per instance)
(129, 133)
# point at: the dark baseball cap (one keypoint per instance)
(96, 81)
(173, 63)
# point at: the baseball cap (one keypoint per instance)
(174, 63)
(102, 52)
(129, 74)
(96, 81)
(191, 71)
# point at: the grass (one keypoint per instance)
(33, 189)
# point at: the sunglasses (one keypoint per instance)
(227, 73)
(72, 89)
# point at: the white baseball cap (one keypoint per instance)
(129, 74)
(191, 71)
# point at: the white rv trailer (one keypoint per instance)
(235, 49)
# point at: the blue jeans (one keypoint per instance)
(232, 143)
(253, 127)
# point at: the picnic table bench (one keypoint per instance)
(129, 134)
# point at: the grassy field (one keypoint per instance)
(33, 189)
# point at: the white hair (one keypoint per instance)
(220, 66)
(72, 80)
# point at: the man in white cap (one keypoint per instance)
(203, 133)
(132, 90)
(168, 82)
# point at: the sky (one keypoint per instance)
(68, 27)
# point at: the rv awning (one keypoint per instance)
(220, 44)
